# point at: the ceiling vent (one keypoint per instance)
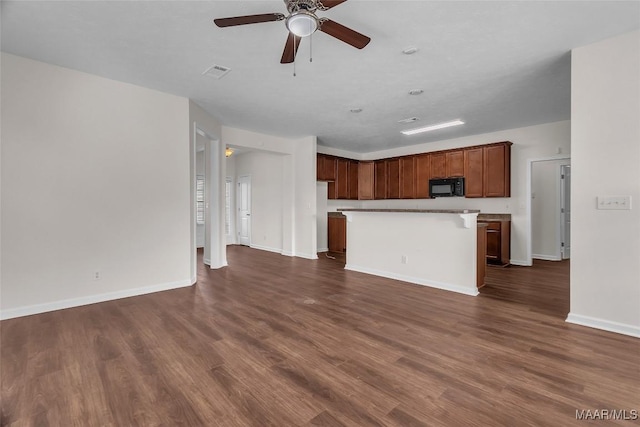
(216, 71)
(409, 120)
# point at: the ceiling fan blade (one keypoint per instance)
(248, 19)
(343, 33)
(328, 4)
(290, 49)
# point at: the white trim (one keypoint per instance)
(266, 248)
(521, 262)
(546, 257)
(605, 325)
(414, 280)
(306, 256)
(529, 233)
(91, 299)
(287, 253)
(323, 249)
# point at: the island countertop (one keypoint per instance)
(437, 211)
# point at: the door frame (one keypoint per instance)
(528, 261)
(563, 199)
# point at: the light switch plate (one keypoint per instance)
(614, 202)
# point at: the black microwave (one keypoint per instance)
(446, 187)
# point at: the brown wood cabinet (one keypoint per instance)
(337, 233)
(474, 172)
(455, 163)
(393, 178)
(438, 165)
(498, 242)
(325, 167)
(423, 174)
(481, 259)
(486, 169)
(380, 179)
(353, 180)
(366, 180)
(408, 177)
(497, 170)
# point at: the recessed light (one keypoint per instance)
(416, 92)
(410, 50)
(356, 110)
(433, 127)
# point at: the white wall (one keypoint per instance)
(545, 209)
(605, 132)
(297, 189)
(531, 142)
(321, 213)
(231, 174)
(95, 178)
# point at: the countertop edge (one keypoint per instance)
(436, 211)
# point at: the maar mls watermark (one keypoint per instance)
(607, 414)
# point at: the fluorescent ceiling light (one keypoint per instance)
(433, 127)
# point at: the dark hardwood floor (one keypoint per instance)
(279, 341)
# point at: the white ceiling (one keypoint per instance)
(494, 64)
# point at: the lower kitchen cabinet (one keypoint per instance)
(498, 242)
(337, 229)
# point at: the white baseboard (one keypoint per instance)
(307, 256)
(266, 248)
(605, 325)
(323, 249)
(91, 299)
(520, 263)
(207, 261)
(287, 253)
(415, 280)
(546, 257)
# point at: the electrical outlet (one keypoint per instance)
(404, 259)
(96, 275)
(614, 202)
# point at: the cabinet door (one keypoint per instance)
(353, 180)
(337, 230)
(494, 241)
(473, 172)
(366, 180)
(438, 165)
(329, 168)
(393, 178)
(497, 170)
(423, 174)
(408, 177)
(455, 163)
(381, 179)
(342, 179)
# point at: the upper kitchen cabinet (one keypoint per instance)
(497, 169)
(353, 180)
(455, 163)
(408, 177)
(366, 180)
(423, 174)
(438, 165)
(474, 172)
(326, 167)
(380, 191)
(393, 178)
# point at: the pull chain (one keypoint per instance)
(311, 48)
(294, 55)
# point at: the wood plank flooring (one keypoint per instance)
(279, 341)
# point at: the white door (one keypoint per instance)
(565, 210)
(244, 210)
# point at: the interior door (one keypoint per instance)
(565, 210)
(244, 210)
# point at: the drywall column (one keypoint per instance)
(605, 130)
(216, 245)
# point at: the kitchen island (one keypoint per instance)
(437, 248)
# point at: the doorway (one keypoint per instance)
(244, 210)
(565, 211)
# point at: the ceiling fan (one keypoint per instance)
(302, 22)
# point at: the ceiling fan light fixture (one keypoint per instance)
(302, 23)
